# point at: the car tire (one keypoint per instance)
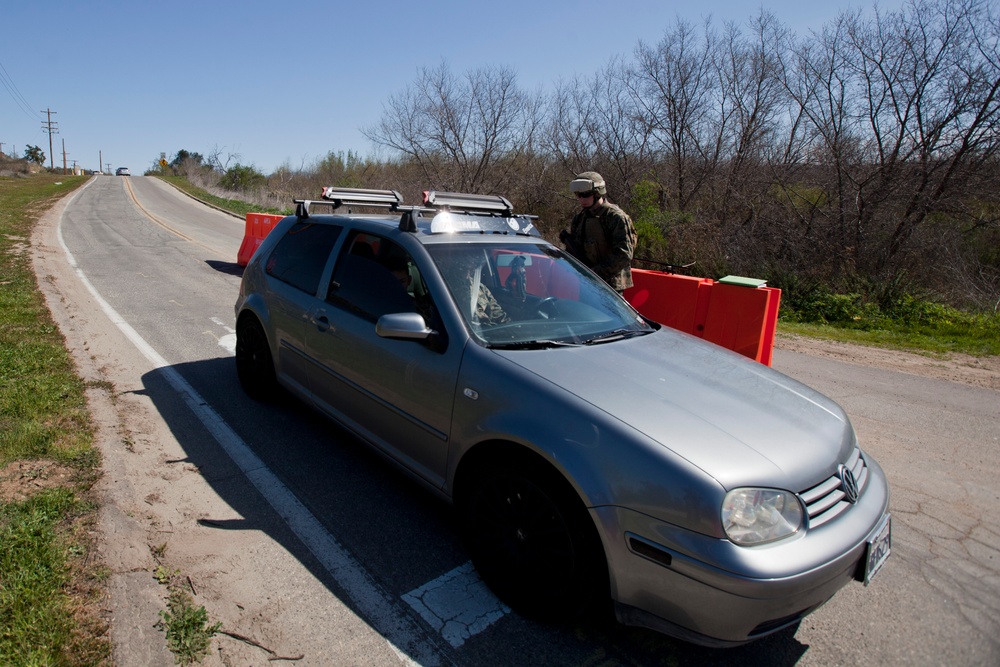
(532, 540)
(254, 365)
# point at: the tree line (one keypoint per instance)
(862, 156)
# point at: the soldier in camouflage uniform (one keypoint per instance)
(460, 274)
(601, 235)
(488, 309)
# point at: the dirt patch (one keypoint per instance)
(19, 480)
(964, 368)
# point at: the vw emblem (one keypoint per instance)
(849, 484)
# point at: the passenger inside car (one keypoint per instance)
(367, 288)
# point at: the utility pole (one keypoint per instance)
(100, 159)
(64, 156)
(49, 126)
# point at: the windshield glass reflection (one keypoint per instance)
(527, 296)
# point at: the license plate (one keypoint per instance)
(877, 552)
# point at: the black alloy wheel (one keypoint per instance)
(254, 365)
(533, 542)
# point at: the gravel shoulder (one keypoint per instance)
(963, 368)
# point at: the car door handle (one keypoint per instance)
(322, 322)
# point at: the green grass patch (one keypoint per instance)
(42, 407)
(240, 208)
(43, 415)
(905, 322)
(189, 634)
(38, 623)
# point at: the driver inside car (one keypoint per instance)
(465, 279)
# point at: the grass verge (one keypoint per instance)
(49, 584)
(240, 208)
(923, 327)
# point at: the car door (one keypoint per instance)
(294, 270)
(397, 394)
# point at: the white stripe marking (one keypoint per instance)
(227, 342)
(457, 604)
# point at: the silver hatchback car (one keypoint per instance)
(589, 453)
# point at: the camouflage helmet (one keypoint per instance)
(588, 181)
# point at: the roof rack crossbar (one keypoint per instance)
(471, 203)
(362, 197)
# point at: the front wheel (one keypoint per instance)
(254, 365)
(532, 540)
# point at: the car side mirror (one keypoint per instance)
(410, 326)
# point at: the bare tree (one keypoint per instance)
(463, 132)
(672, 87)
(933, 112)
(594, 123)
(749, 104)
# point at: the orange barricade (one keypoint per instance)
(740, 318)
(258, 225)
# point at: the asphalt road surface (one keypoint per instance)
(352, 564)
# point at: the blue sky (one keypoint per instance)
(287, 82)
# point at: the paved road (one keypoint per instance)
(165, 266)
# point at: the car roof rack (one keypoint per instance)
(337, 197)
(459, 212)
(454, 211)
(468, 203)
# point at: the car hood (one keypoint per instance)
(739, 421)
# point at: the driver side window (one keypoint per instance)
(375, 276)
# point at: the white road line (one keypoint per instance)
(227, 342)
(376, 605)
(457, 604)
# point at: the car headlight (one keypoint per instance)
(756, 516)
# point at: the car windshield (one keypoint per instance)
(527, 296)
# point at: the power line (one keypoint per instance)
(15, 94)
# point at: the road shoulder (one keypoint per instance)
(962, 368)
(158, 510)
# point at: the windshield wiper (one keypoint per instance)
(617, 334)
(532, 345)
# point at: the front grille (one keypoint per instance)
(827, 500)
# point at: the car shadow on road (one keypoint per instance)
(399, 533)
(229, 268)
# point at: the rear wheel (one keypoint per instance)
(532, 540)
(254, 365)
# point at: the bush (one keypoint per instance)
(242, 178)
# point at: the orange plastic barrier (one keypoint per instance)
(742, 319)
(258, 225)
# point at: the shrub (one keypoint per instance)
(242, 178)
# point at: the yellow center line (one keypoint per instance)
(163, 223)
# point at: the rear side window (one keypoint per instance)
(299, 257)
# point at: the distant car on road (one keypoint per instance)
(590, 453)
(122, 171)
